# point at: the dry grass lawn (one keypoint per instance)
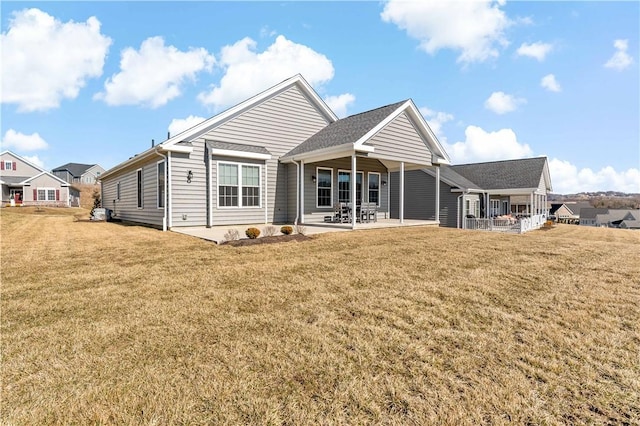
(110, 324)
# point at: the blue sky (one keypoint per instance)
(94, 82)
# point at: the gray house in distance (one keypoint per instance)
(280, 156)
(476, 191)
(79, 173)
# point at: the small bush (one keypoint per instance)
(286, 230)
(269, 230)
(301, 229)
(252, 233)
(232, 235)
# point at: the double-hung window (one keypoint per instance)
(46, 194)
(238, 185)
(324, 190)
(374, 188)
(139, 187)
(161, 181)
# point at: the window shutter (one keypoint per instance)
(35, 195)
(14, 165)
(57, 195)
(2, 165)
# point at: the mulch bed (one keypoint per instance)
(266, 240)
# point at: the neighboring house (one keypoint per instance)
(24, 183)
(470, 192)
(569, 211)
(588, 215)
(616, 218)
(79, 173)
(280, 156)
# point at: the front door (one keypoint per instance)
(16, 194)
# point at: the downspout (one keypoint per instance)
(295, 222)
(460, 210)
(164, 218)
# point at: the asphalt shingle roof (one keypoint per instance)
(448, 173)
(237, 147)
(346, 130)
(523, 173)
(76, 169)
(12, 180)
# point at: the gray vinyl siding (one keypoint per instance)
(278, 124)
(189, 200)
(420, 200)
(400, 141)
(364, 165)
(126, 208)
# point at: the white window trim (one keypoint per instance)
(8, 165)
(46, 193)
(379, 186)
(139, 195)
(158, 186)
(330, 188)
(259, 186)
(358, 172)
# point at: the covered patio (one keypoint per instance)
(370, 146)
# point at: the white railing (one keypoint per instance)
(518, 226)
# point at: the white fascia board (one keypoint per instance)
(62, 182)
(203, 127)
(511, 191)
(240, 154)
(327, 153)
(176, 148)
(360, 142)
(144, 155)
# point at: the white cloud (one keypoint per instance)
(473, 27)
(248, 72)
(154, 74)
(501, 103)
(567, 179)
(621, 59)
(45, 60)
(436, 119)
(21, 142)
(340, 103)
(480, 145)
(550, 83)
(35, 160)
(536, 50)
(181, 124)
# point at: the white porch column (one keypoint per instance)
(266, 210)
(438, 194)
(301, 191)
(401, 210)
(531, 205)
(353, 191)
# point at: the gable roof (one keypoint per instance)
(592, 212)
(175, 143)
(506, 174)
(75, 169)
(62, 182)
(356, 130)
(22, 159)
(346, 130)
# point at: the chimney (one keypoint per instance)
(153, 143)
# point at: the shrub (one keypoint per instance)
(252, 233)
(301, 229)
(269, 230)
(286, 230)
(232, 235)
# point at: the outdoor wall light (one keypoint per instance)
(189, 176)
(313, 178)
(384, 183)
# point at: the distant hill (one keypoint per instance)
(607, 199)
